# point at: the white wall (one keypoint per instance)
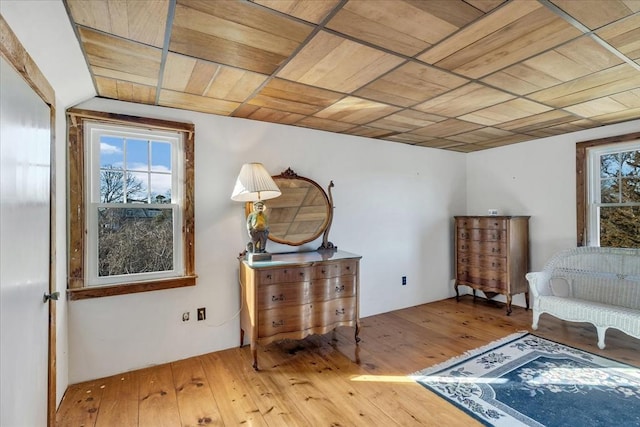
(536, 178)
(393, 205)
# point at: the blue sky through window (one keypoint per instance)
(147, 161)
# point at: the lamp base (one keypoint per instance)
(258, 256)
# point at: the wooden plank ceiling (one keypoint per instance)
(462, 75)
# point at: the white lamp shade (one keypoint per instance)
(254, 183)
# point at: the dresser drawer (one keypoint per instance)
(280, 275)
(481, 234)
(298, 318)
(481, 222)
(493, 278)
(479, 247)
(491, 248)
(284, 319)
(335, 269)
(492, 223)
(335, 311)
(333, 288)
(284, 294)
(484, 261)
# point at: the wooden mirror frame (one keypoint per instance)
(282, 210)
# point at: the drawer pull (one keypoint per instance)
(323, 271)
(277, 298)
(269, 276)
(339, 288)
(348, 267)
(285, 272)
(301, 274)
(277, 324)
(339, 312)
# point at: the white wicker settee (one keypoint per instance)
(590, 284)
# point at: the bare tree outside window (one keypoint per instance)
(620, 199)
(134, 240)
(114, 187)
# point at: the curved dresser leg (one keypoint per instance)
(254, 353)
(526, 298)
(457, 294)
(357, 333)
(508, 304)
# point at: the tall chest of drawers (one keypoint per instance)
(492, 255)
(298, 294)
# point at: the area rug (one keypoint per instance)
(525, 380)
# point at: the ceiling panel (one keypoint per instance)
(398, 26)
(141, 21)
(336, 63)
(410, 84)
(235, 33)
(461, 75)
(294, 97)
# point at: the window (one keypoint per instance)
(131, 204)
(610, 213)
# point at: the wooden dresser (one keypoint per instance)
(298, 294)
(492, 255)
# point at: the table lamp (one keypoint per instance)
(254, 184)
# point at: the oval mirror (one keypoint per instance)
(300, 214)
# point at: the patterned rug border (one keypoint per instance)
(473, 352)
(461, 359)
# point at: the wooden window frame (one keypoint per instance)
(582, 186)
(76, 278)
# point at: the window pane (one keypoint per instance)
(111, 152)
(631, 190)
(137, 187)
(137, 155)
(631, 163)
(160, 188)
(620, 227)
(609, 165)
(138, 240)
(609, 191)
(160, 157)
(111, 186)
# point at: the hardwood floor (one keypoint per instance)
(323, 380)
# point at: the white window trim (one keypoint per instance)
(593, 184)
(92, 158)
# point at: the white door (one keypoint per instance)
(25, 138)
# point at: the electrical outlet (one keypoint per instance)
(404, 280)
(202, 313)
(185, 316)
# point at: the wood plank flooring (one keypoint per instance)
(323, 380)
